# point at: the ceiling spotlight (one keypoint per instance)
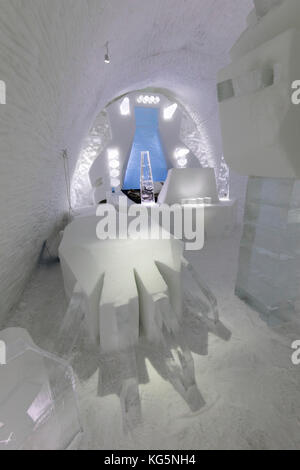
(106, 57)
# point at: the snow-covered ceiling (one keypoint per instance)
(51, 58)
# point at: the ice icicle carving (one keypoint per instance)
(147, 185)
(73, 322)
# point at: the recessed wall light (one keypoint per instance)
(106, 57)
(114, 173)
(181, 152)
(112, 154)
(125, 107)
(169, 111)
(182, 162)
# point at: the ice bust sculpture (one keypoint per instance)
(38, 409)
(261, 139)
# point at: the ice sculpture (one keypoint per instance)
(38, 409)
(269, 264)
(262, 7)
(261, 139)
(146, 184)
(259, 122)
(131, 287)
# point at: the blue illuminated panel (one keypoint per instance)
(146, 138)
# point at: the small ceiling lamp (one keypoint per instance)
(106, 57)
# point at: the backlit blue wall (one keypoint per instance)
(146, 138)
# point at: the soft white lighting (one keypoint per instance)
(114, 163)
(182, 162)
(181, 152)
(112, 154)
(115, 182)
(169, 111)
(125, 107)
(114, 173)
(145, 99)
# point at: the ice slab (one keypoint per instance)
(269, 262)
(38, 408)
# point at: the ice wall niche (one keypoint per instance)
(93, 145)
(269, 262)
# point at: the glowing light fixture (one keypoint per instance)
(169, 111)
(145, 99)
(125, 107)
(115, 182)
(114, 163)
(112, 154)
(181, 152)
(114, 173)
(182, 162)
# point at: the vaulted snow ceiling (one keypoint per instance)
(51, 58)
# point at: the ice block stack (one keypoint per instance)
(269, 264)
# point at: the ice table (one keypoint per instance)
(131, 287)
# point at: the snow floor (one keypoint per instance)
(244, 373)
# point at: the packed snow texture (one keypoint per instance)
(52, 60)
(249, 386)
